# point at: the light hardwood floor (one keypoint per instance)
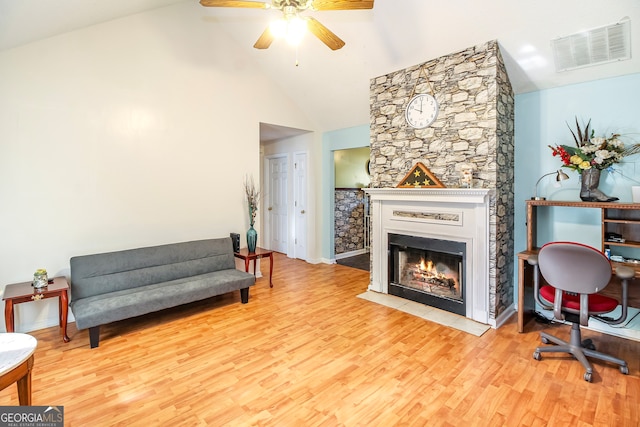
(310, 353)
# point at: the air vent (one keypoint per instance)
(593, 47)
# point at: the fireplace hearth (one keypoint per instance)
(428, 271)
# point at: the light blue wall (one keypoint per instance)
(341, 139)
(540, 120)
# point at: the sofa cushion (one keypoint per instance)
(123, 304)
(118, 271)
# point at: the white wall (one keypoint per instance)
(134, 132)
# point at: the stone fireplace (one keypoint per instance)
(474, 128)
(450, 228)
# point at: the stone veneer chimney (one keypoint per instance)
(475, 125)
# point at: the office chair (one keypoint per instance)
(575, 273)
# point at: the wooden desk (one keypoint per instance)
(25, 292)
(259, 253)
(526, 303)
(16, 361)
(623, 218)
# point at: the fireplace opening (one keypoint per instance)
(428, 271)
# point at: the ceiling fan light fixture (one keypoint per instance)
(292, 29)
(278, 28)
(296, 29)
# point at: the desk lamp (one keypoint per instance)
(560, 176)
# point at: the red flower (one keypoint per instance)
(564, 156)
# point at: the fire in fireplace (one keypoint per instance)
(429, 271)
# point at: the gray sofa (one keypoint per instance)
(113, 286)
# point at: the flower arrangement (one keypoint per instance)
(253, 197)
(591, 151)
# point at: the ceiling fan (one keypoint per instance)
(291, 10)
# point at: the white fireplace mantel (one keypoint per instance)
(457, 195)
(459, 214)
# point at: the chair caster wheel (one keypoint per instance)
(624, 370)
(536, 355)
(587, 377)
(544, 340)
(588, 344)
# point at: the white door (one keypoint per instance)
(300, 204)
(277, 204)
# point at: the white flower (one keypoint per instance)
(589, 148)
(617, 144)
(603, 154)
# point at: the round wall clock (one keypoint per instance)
(421, 111)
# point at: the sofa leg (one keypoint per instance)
(244, 295)
(94, 336)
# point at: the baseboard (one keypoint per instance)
(630, 329)
(352, 253)
(504, 317)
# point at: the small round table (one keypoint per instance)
(16, 361)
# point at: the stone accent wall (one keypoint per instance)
(503, 229)
(349, 220)
(474, 127)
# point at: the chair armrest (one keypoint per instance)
(624, 272)
(533, 260)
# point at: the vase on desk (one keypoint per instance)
(252, 239)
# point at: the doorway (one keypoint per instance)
(350, 212)
(285, 182)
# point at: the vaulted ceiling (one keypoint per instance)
(332, 86)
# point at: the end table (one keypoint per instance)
(247, 256)
(24, 292)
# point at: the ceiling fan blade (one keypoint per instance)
(324, 34)
(341, 4)
(231, 3)
(265, 39)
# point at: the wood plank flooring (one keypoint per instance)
(308, 352)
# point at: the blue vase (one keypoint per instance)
(252, 239)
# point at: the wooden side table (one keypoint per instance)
(16, 361)
(259, 253)
(25, 292)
